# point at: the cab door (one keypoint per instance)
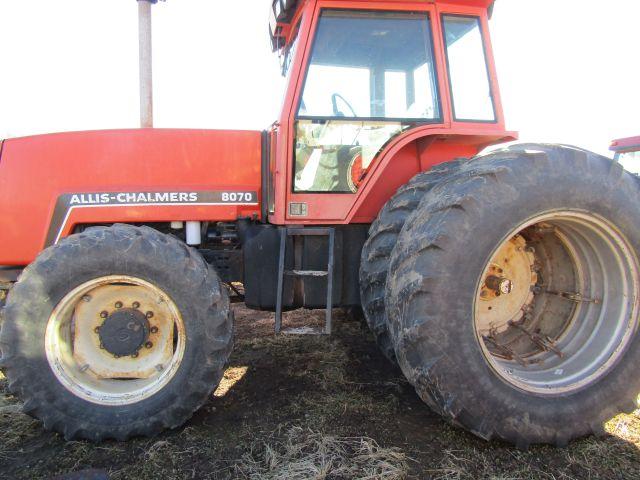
(368, 77)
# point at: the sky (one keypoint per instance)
(568, 69)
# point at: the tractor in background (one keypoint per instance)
(627, 152)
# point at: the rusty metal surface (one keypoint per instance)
(574, 317)
(89, 317)
(73, 343)
(512, 263)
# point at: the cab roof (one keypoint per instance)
(284, 11)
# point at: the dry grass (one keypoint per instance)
(231, 376)
(616, 456)
(312, 408)
(15, 427)
(626, 427)
(308, 455)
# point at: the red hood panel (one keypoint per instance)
(35, 172)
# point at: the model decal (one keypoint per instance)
(66, 203)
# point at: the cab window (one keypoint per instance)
(371, 76)
(468, 73)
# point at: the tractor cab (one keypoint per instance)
(364, 76)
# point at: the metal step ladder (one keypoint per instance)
(286, 232)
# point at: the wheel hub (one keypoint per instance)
(124, 332)
(114, 340)
(556, 304)
(507, 289)
(500, 285)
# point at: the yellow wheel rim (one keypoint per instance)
(115, 340)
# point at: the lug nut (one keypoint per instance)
(104, 314)
(118, 304)
(148, 345)
(149, 314)
(154, 329)
(136, 305)
(96, 330)
(500, 285)
(135, 355)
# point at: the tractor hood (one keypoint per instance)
(51, 183)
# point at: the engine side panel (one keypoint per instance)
(51, 183)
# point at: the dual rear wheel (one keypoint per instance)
(511, 294)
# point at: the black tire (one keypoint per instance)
(436, 268)
(142, 252)
(383, 235)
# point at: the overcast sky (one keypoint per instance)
(568, 69)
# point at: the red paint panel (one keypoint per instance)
(35, 171)
(405, 165)
(415, 152)
(625, 145)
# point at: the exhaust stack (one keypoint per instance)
(146, 62)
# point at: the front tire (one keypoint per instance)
(116, 332)
(513, 295)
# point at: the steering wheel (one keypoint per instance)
(334, 102)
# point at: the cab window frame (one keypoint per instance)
(490, 81)
(406, 124)
(430, 18)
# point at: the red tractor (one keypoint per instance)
(504, 285)
(626, 150)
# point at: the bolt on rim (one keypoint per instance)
(557, 303)
(115, 340)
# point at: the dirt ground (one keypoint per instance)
(309, 407)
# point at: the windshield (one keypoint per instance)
(371, 65)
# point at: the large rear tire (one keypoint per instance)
(383, 235)
(116, 332)
(513, 295)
